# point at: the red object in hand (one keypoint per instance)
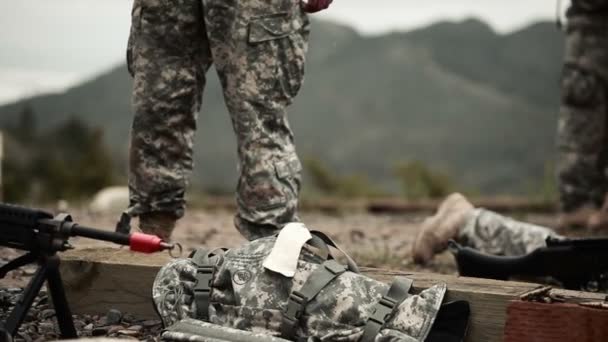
(313, 6)
(146, 243)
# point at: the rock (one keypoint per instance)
(151, 323)
(43, 300)
(127, 332)
(114, 329)
(100, 331)
(46, 314)
(46, 327)
(128, 318)
(88, 327)
(137, 328)
(110, 200)
(113, 317)
(31, 315)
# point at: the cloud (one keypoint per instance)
(46, 44)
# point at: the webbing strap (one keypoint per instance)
(205, 262)
(352, 265)
(298, 300)
(396, 294)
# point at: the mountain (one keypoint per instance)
(458, 96)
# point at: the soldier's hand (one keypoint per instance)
(313, 6)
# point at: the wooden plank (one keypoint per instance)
(99, 279)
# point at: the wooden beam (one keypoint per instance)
(99, 279)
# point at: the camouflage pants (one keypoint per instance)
(495, 234)
(582, 137)
(258, 49)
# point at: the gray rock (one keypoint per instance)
(151, 323)
(46, 327)
(113, 317)
(127, 332)
(136, 328)
(46, 314)
(100, 331)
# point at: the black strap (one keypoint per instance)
(451, 324)
(396, 294)
(298, 300)
(205, 262)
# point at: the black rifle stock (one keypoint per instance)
(575, 263)
(42, 236)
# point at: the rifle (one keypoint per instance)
(577, 264)
(42, 236)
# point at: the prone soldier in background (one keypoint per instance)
(258, 49)
(582, 128)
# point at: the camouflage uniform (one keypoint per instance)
(246, 296)
(495, 234)
(258, 49)
(582, 136)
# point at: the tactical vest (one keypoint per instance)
(228, 295)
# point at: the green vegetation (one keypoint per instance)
(69, 161)
(418, 181)
(328, 183)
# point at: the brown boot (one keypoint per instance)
(160, 224)
(579, 218)
(437, 230)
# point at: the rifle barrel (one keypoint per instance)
(92, 233)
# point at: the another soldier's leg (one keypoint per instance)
(259, 50)
(495, 234)
(168, 60)
(487, 231)
(582, 124)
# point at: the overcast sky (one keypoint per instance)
(51, 44)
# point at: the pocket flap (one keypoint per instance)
(271, 27)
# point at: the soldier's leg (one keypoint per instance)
(481, 229)
(582, 136)
(259, 51)
(496, 234)
(168, 58)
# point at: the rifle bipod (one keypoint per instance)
(48, 270)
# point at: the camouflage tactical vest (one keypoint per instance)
(232, 293)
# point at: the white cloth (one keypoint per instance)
(285, 253)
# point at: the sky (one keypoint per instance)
(49, 45)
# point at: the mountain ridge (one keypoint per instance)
(459, 97)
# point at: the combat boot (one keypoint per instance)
(160, 224)
(445, 225)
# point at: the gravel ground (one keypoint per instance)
(373, 240)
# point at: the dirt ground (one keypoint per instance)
(372, 240)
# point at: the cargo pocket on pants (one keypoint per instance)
(272, 188)
(280, 43)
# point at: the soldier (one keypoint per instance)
(489, 232)
(582, 136)
(258, 49)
